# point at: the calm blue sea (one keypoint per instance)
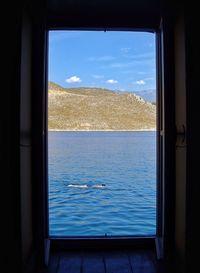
(80, 162)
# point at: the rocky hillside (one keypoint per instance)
(77, 109)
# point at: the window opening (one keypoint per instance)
(102, 133)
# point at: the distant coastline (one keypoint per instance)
(106, 130)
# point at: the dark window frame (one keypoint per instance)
(119, 238)
(165, 135)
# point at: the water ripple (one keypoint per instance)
(102, 183)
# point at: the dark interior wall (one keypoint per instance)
(180, 110)
(193, 150)
(25, 137)
(104, 13)
(9, 136)
(16, 187)
(17, 245)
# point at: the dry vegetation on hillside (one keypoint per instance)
(97, 109)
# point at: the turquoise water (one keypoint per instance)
(80, 162)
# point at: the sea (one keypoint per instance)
(102, 183)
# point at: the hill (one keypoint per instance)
(77, 109)
(148, 95)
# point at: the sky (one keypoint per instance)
(116, 60)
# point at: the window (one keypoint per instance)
(165, 121)
(102, 133)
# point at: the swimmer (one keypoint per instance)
(86, 186)
(99, 186)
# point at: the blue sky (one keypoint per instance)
(116, 60)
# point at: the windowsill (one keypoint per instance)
(101, 242)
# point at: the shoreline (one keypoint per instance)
(105, 130)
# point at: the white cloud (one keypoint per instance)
(112, 81)
(73, 79)
(140, 82)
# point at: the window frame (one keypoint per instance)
(165, 140)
